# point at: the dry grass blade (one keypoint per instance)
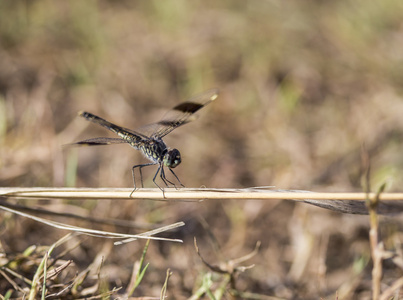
(11, 281)
(153, 232)
(41, 272)
(85, 217)
(99, 233)
(354, 203)
(165, 286)
(388, 293)
(255, 193)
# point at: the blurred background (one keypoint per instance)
(305, 88)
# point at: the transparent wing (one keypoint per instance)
(181, 114)
(100, 141)
(119, 130)
(126, 134)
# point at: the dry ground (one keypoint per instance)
(305, 86)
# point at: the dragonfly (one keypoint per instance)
(148, 138)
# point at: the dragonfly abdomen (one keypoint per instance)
(132, 139)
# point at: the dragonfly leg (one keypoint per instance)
(141, 175)
(160, 168)
(165, 179)
(176, 177)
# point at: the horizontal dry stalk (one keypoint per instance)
(342, 202)
(187, 193)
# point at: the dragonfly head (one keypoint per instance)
(172, 158)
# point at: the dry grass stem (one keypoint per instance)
(188, 193)
(390, 291)
(353, 203)
(101, 233)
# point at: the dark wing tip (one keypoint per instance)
(194, 104)
(188, 107)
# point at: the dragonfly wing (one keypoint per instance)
(182, 113)
(125, 133)
(100, 141)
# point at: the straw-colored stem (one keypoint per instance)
(187, 193)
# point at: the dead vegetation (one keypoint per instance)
(310, 94)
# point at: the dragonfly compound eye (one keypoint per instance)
(172, 158)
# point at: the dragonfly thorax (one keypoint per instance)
(154, 149)
(172, 158)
